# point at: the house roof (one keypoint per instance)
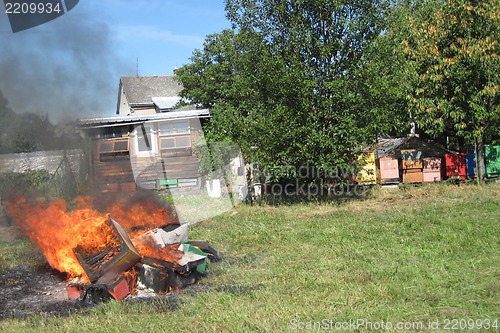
(391, 147)
(138, 119)
(388, 146)
(140, 90)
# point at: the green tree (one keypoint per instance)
(455, 55)
(386, 79)
(28, 132)
(286, 84)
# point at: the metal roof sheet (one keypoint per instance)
(140, 89)
(136, 119)
(391, 147)
(164, 103)
(387, 147)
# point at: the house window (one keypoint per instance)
(175, 142)
(175, 146)
(180, 127)
(113, 132)
(175, 138)
(111, 150)
(145, 139)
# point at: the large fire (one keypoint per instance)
(57, 228)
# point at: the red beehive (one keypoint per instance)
(455, 165)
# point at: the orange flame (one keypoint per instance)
(169, 253)
(57, 231)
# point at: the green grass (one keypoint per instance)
(196, 208)
(412, 255)
(15, 252)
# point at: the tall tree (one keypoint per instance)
(284, 82)
(28, 132)
(455, 54)
(386, 78)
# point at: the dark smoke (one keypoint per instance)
(67, 68)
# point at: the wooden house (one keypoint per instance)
(149, 143)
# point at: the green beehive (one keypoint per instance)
(492, 161)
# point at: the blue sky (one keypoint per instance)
(161, 34)
(70, 67)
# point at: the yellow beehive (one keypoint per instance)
(367, 173)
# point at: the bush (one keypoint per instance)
(37, 183)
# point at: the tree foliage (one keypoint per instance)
(308, 81)
(289, 82)
(455, 55)
(28, 132)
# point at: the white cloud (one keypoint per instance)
(142, 32)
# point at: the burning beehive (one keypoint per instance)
(104, 259)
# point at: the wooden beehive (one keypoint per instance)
(410, 159)
(431, 169)
(411, 166)
(492, 161)
(367, 174)
(388, 170)
(454, 166)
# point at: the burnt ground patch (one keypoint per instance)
(40, 290)
(26, 290)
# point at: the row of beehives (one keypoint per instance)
(411, 166)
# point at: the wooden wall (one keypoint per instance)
(115, 166)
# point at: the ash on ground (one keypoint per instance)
(25, 290)
(40, 290)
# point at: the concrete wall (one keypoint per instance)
(40, 160)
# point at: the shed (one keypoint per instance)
(402, 159)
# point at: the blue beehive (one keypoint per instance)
(470, 164)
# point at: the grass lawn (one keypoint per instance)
(429, 253)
